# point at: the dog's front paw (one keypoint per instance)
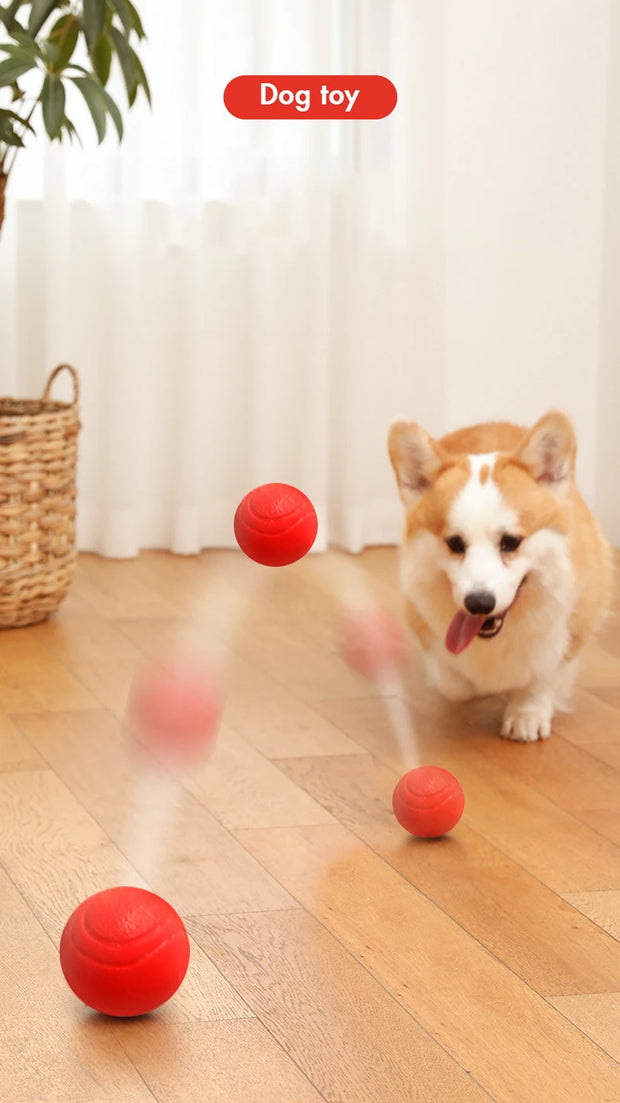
(527, 721)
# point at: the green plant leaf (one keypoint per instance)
(62, 41)
(23, 53)
(9, 14)
(12, 69)
(5, 112)
(8, 134)
(137, 22)
(93, 95)
(72, 133)
(9, 122)
(101, 58)
(53, 104)
(27, 42)
(127, 15)
(142, 77)
(18, 52)
(39, 12)
(127, 61)
(93, 20)
(114, 113)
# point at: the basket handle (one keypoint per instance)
(74, 375)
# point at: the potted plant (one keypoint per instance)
(49, 46)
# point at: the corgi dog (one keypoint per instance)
(504, 570)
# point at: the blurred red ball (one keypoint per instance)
(428, 801)
(124, 951)
(374, 643)
(175, 707)
(275, 524)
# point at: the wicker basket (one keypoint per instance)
(38, 455)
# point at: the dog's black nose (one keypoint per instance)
(481, 601)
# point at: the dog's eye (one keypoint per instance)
(509, 543)
(456, 544)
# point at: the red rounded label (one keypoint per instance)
(295, 97)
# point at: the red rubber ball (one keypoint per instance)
(175, 708)
(374, 644)
(275, 524)
(428, 801)
(124, 951)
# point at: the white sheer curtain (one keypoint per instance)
(251, 301)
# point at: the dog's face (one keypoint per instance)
(485, 521)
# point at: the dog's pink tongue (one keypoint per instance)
(462, 630)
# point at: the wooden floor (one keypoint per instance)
(333, 956)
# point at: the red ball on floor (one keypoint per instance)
(374, 643)
(175, 706)
(428, 801)
(275, 524)
(124, 951)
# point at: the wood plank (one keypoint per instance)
(609, 694)
(108, 682)
(95, 652)
(78, 634)
(342, 1029)
(208, 581)
(532, 930)
(452, 986)
(342, 574)
(113, 590)
(568, 776)
(218, 1062)
(292, 661)
(605, 821)
(16, 753)
(602, 908)
(607, 752)
(242, 789)
(23, 645)
(153, 636)
(275, 722)
(214, 597)
(597, 1015)
(598, 667)
(315, 596)
(53, 851)
(47, 1051)
(593, 724)
(27, 684)
(201, 867)
(593, 720)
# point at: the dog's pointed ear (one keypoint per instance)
(548, 450)
(416, 459)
